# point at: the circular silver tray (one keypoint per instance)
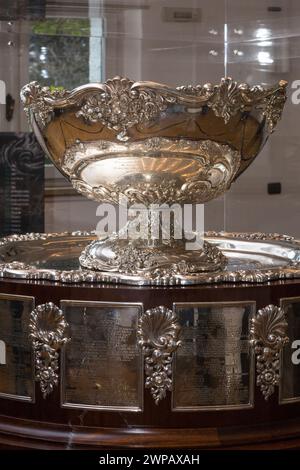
(252, 257)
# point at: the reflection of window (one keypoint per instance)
(2, 352)
(66, 52)
(62, 53)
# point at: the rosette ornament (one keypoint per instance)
(268, 336)
(158, 333)
(47, 332)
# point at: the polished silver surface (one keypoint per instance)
(158, 170)
(289, 382)
(214, 367)
(268, 336)
(153, 144)
(118, 255)
(158, 334)
(123, 133)
(48, 334)
(102, 366)
(17, 373)
(252, 257)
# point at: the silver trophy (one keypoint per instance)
(153, 145)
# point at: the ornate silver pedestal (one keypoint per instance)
(85, 351)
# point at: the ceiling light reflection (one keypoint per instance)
(264, 58)
(262, 33)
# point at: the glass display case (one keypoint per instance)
(149, 343)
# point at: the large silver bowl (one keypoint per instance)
(153, 144)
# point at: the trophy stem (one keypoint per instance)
(153, 244)
(155, 226)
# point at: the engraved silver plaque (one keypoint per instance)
(16, 364)
(214, 367)
(289, 386)
(102, 364)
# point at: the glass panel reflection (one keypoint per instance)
(214, 366)
(102, 364)
(289, 390)
(16, 367)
